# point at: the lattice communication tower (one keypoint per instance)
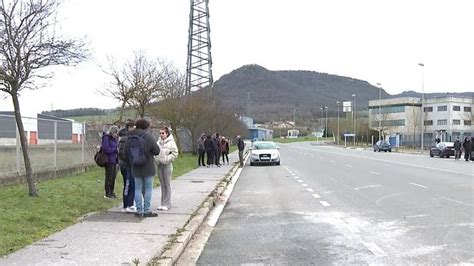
(199, 63)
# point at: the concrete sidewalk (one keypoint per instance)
(113, 237)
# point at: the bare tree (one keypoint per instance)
(170, 92)
(413, 118)
(28, 45)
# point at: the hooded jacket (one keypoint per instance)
(168, 150)
(152, 149)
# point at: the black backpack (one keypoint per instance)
(136, 150)
(121, 148)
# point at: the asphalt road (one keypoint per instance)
(327, 205)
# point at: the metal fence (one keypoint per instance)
(53, 144)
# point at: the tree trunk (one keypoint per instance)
(24, 147)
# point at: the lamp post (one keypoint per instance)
(380, 108)
(326, 127)
(321, 118)
(422, 65)
(337, 140)
(354, 117)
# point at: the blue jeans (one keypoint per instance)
(128, 186)
(143, 203)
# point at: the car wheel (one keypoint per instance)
(375, 150)
(431, 154)
(277, 163)
(390, 150)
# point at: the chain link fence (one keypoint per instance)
(54, 144)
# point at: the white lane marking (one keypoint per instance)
(371, 186)
(316, 196)
(325, 203)
(350, 227)
(301, 181)
(418, 185)
(332, 161)
(376, 250)
(389, 161)
(296, 177)
(375, 173)
(293, 174)
(452, 200)
(304, 185)
(348, 165)
(416, 216)
(309, 190)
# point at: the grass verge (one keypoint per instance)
(24, 219)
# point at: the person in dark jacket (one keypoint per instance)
(217, 149)
(201, 149)
(209, 150)
(109, 147)
(144, 174)
(241, 146)
(471, 156)
(457, 149)
(126, 170)
(467, 148)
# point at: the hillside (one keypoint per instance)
(275, 94)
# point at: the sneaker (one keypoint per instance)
(163, 208)
(150, 214)
(131, 209)
(139, 215)
(108, 197)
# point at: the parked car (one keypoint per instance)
(442, 149)
(382, 145)
(264, 152)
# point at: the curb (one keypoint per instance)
(177, 243)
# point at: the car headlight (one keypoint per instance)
(254, 155)
(275, 154)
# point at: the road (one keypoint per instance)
(328, 205)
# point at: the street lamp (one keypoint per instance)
(380, 108)
(321, 118)
(326, 127)
(422, 65)
(354, 117)
(337, 140)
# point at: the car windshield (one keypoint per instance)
(264, 145)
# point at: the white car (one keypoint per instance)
(264, 152)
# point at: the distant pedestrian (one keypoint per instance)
(457, 149)
(209, 146)
(201, 149)
(467, 148)
(109, 147)
(240, 146)
(217, 149)
(126, 170)
(141, 147)
(471, 155)
(224, 150)
(168, 153)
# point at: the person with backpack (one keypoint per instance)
(168, 153)
(241, 147)
(109, 148)
(141, 147)
(125, 169)
(208, 145)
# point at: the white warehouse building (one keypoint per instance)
(399, 119)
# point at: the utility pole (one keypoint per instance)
(337, 139)
(422, 102)
(380, 108)
(294, 117)
(199, 60)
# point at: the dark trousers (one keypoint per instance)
(225, 155)
(201, 153)
(217, 157)
(128, 186)
(210, 157)
(110, 174)
(467, 154)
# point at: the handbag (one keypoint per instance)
(100, 158)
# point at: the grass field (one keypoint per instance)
(24, 219)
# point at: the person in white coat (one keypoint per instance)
(168, 153)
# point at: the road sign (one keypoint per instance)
(346, 109)
(347, 104)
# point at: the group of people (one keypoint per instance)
(467, 146)
(214, 147)
(138, 155)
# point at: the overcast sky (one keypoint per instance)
(374, 40)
